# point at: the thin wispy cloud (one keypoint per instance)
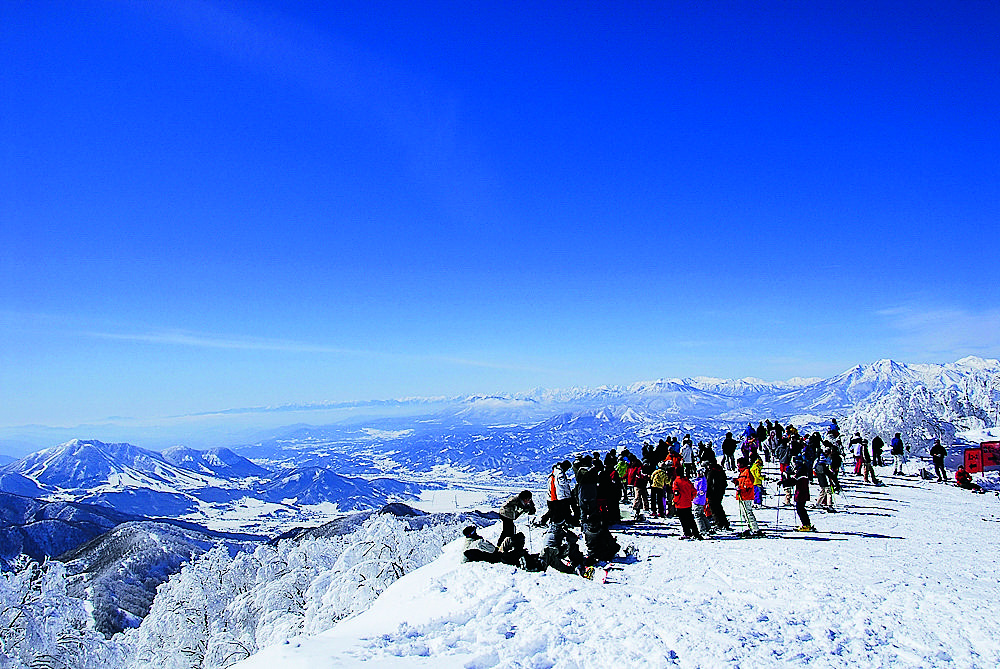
(944, 332)
(237, 343)
(200, 340)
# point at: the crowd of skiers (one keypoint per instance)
(685, 480)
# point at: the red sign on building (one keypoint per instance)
(991, 455)
(983, 459)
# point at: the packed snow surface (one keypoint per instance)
(903, 576)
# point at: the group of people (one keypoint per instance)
(678, 478)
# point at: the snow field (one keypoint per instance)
(903, 576)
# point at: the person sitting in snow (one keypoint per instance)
(476, 545)
(964, 480)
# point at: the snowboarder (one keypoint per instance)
(938, 454)
(964, 480)
(562, 545)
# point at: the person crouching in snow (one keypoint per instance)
(684, 494)
(561, 544)
(744, 492)
(514, 507)
(964, 480)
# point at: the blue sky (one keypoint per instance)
(207, 205)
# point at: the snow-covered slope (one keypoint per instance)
(896, 579)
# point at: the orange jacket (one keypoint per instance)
(744, 484)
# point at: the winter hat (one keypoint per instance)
(469, 531)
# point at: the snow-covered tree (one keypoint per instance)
(221, 609)
(41, 626)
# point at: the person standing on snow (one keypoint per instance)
(822, 470)
(657, 484)
(684, 494)
(938, 454)
(802, 495)
(687, 456)
(857, 447)
(717, 483)
(757, 471)
(898, 454)
(867, 464)
(877, 447)
(640, 481)
(729, 447)
(700, 501)
(836, 460)
(744, 493)
(560, 493)
(833, 430)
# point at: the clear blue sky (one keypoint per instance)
(206, 205)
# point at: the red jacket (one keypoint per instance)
(744, 484)
(684, 493)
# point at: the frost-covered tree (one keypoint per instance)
(41, 626)
(221, 609)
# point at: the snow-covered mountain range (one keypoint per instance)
(359, 465)
(182, 482)
(520, 435)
